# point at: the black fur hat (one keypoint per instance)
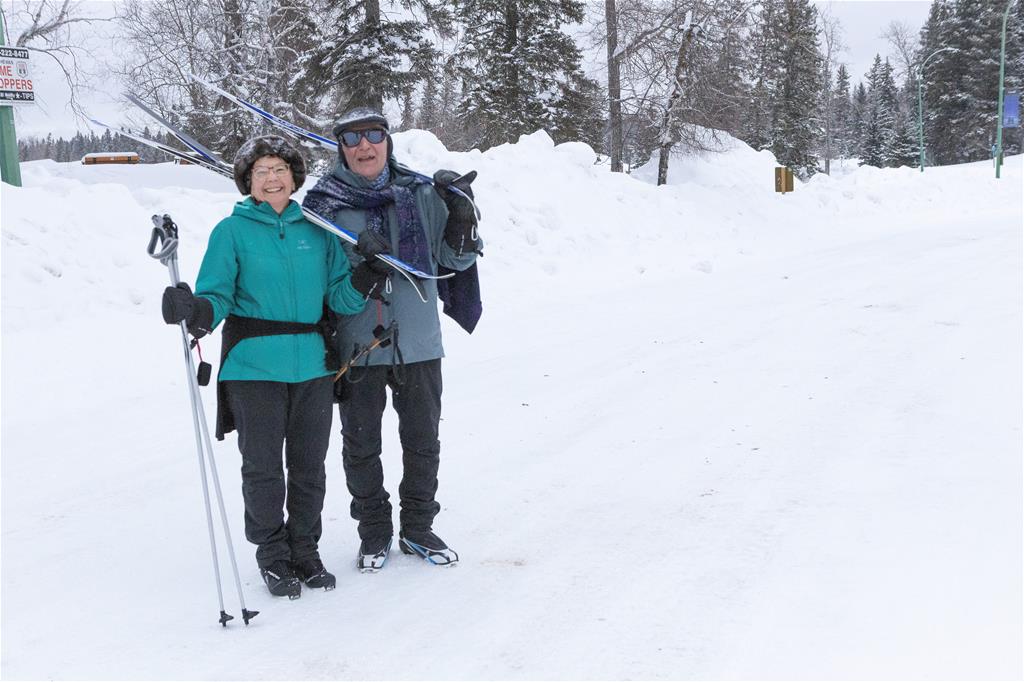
(267, 145)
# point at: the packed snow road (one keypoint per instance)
(798, 461)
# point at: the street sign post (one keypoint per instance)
(10, 170)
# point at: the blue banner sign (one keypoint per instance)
(1011, 110)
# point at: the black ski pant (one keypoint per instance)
(272, 416)
(417, 400)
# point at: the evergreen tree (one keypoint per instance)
(765, 74)
(579, 112)
(513, 57)
(429, 116)
(873, 143)
(961, 83)
(903, 149)
(842, 114)
(366, 56)
(786, 72)
(796, 128)
(408, 112)
(860, 112)
(887, 101)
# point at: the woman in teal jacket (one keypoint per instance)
(268, 273)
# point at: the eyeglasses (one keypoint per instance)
(264, 173)
(350, 138)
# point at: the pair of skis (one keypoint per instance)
(201, 156)
(303, 134)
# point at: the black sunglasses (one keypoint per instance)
(350, 138)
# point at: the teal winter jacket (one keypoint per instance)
(275, 267)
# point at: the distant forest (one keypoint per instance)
(480, 73)
(33, 148)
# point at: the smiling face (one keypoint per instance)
(366, 158)
(272, 182)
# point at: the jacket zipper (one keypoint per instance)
(291, 288)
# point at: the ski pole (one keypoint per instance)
(165, 234)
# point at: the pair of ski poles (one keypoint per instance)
(163, 246)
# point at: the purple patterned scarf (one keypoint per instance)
(330, 194)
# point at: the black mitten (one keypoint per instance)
(460, 230)
(179, 303)
(368, 280)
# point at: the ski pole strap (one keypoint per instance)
(165, 234)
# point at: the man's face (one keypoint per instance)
(365, 158)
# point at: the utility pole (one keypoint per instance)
(920, 101)
(999, 114)
(10, 171)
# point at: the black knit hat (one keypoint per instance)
(267, 145)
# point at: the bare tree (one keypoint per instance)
(626, 28)
(903, 42)
(668, 123)
(679, 69)
(45, 27)
(614, 86)
(255, 48)
(831, 33)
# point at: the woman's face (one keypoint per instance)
(272, 182)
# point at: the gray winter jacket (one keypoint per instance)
(419, 327)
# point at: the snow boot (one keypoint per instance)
(281, 580)
(312, 572)
(373, 553)
(427, 545)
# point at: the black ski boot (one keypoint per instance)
(427, 545)
(312, 572)
(373, 553)
(281, 580)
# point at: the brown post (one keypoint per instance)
(783, 179)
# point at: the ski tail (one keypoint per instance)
(217, 167)
(186, 140)
(309, 136)
(283, 124)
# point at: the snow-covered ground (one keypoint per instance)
(702, 431)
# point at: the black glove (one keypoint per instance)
(460, 231)
(369, 281)
(180, 304)
(370, 244)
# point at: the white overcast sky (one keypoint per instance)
(862, 23)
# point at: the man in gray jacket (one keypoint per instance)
(432, 227)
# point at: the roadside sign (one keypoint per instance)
(1011, 110)
(783, 179)
(15, 78)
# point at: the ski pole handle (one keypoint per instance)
(165, 234)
